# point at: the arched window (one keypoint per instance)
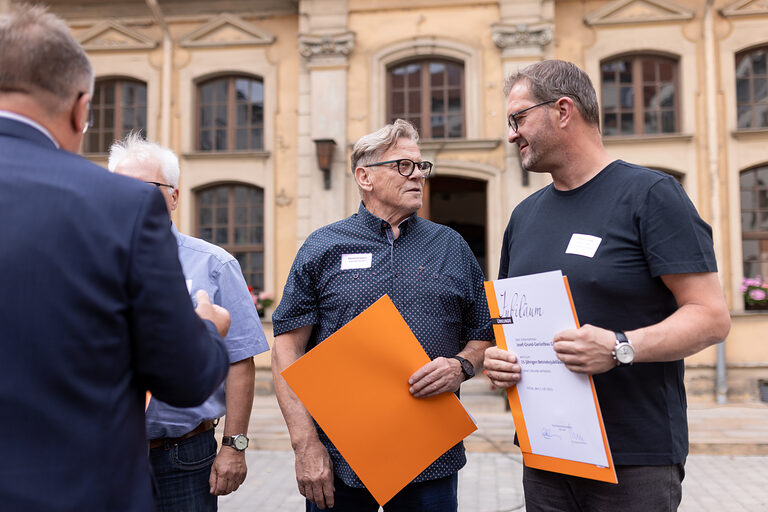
(430, 94)
(119, 107)
(230, 114)
(754, 221)
(752, 88)
(640, 95)
(232, 216)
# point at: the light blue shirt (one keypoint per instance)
(211, 268)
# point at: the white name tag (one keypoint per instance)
(583, 245)
(350, 261)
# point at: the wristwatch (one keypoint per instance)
(239, 441)
(466, 367)
(623, 353)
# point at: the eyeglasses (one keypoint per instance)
(89, 122)
(158, 185)
(406, 166)
(512, 119)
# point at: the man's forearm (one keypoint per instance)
(239, 397)
(301, 427)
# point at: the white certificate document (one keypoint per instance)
(558, 406)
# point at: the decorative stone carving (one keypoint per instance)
(746, 7)
(329, 45)
(638, 11)
(227, 30)
(110, 35)
(522, 36)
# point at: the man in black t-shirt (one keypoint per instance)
(642, 272)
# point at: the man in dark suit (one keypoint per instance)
(95, 309)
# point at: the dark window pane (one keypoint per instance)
(221, 91)
(747, 199)
(128, 114)
(455, 126)
(222, 215)
(257, 138)
(241, 215)
(627, 123)
(206, 234)
(109, 94)
(745, 117)
(610, 96)
(109, 118)
(667, 95)
(414, 75)
(221, 139)
(206, 93)
(761, 90)
(221, 116)
(758, 62)
(742, 91)
(651, 124)
(747, 179)
(398, 103)
(627, 95)
(221, 236)
(762, 177)
(205, 140)
(438, 105)
(241, 114)
(454, 75)
(438, 128)
(437, 73)
(242, 89)
(666, 70)
(748, 222)
(761, 116)
(414, 102)
(398, 79)
(206, 116)
(205, 216)
(241, 236)
(241, 139)
(668, 121)
(610, 124)
(649, 70)
(650, 98)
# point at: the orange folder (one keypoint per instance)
(530, 459)
(355, 385)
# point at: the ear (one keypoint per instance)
(81, 113)
(174, 199)
(363, 178)
(566, 110)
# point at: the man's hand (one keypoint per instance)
(314, 474)
(586, 350)
(228, 471)
(501, 367)
(440, 375)
(216, 314)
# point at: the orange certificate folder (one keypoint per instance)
(605, 473)
(355, 385)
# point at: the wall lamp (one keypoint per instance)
(325, 148)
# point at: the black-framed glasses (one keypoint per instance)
(158, 185)
(89, 122)
(512, 118)
(406, 166)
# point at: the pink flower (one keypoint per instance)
(265, 296)
(757, 294)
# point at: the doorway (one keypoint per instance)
(461, 204)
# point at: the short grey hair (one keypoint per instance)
(38, 54)
(369, 148)
(135, 147)
(553, 79)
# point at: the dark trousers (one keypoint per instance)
(640, 489)
(431, 496)
(182, 471)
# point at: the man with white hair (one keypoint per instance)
(189, 473)
(433, 279)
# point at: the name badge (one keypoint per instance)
(350, 261)
(583, 245)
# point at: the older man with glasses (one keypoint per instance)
(434, 280)
(189, 472)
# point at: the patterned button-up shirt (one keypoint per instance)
(428, 271)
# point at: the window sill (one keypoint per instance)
(749, 312)
(208, 155)
(749, 133)
(458, 144)
(641, 139)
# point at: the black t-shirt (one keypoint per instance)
(647, 228)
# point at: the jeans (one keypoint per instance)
(182, 471)
(431, 496)
(640, 489)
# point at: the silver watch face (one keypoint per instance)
(625, 354)
(240, 442)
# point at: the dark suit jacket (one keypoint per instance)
(94, 311)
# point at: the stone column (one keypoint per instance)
(324, 44)
(524, 35)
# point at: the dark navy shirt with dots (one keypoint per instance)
(428, 271)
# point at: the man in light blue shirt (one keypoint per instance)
(189, 472)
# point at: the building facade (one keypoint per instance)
(248, 92)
